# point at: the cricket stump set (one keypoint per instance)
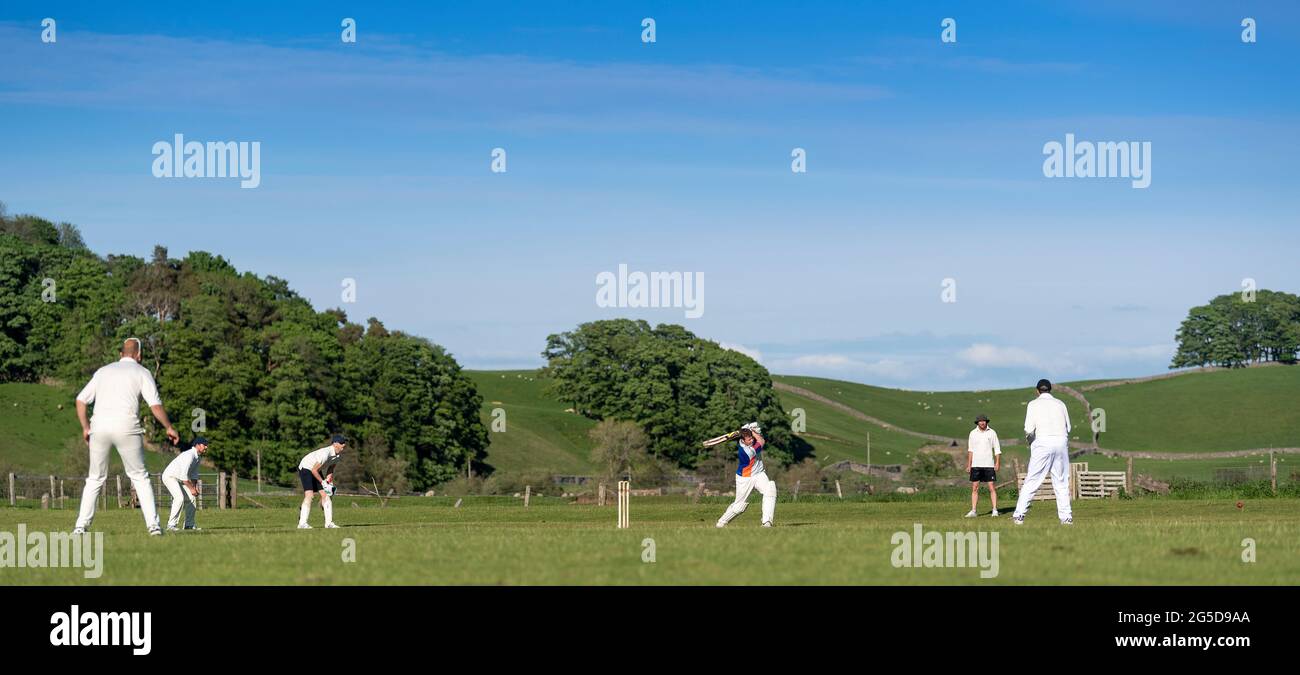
(624, 493)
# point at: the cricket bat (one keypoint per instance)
(721, 439)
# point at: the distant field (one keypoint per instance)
(34, 433)
(945, 413)
(539, 433)
(837, 436)
(1204, 412)
(498, 541)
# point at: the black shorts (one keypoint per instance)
(309, 481)
(983, 474)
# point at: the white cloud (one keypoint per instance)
(751, 353)
(1142, 353)
(985, 355)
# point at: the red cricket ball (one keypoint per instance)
(1240, 505)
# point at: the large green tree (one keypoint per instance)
(242, 358)
(680, 388)
(1235, 330)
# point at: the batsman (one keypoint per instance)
(750, 476)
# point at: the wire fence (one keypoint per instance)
(61, 492)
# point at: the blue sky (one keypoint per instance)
(924, 163)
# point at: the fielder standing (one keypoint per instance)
(316, 472)
(180, 478)
(116, 390)
(983, 459)
(750, 476)
(1047, 425)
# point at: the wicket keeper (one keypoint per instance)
(181, 480)
(316, 472)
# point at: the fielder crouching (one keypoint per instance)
(180, 478)
(750, 476)
(316, 472)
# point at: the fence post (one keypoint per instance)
(259, 471)
(221, 489)
(63, 501)
(796, 490)
(839, 493)
(699, 491)
(13, 500)
(1272, 470)
(45, 500)
(52, 492)
(1015, 470)
(528, 492)
(1128, 478)
(234, 490)
(119, 490)
(199, 485)
(600, 495)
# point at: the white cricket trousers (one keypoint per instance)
(181, 498)
(1050, 454)
(746, 485)
(130, 447)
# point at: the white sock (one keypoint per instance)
(329, 511)
(302, 516)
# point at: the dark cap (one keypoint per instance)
(1044, 385)
(340, 439)
(981, 418)
(198, 440)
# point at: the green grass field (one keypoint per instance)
(1204, 412)
(35, 434)
(498, 541)
(946, 413)
(539, 433)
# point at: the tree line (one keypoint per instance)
(245, 356)
(1236, 330)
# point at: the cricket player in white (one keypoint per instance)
(750, 476)
(116, 390)
(180, 478)
(1047, 425)
(316, 473)
(983, 459)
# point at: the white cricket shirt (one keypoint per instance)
(983, 445)
(184, 467)
(325, 457)
(1047, 416)
(115, 390)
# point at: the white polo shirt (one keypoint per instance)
(325, 457)
(184, 467)
(983, 445)
(116, 390)
(1047, 416)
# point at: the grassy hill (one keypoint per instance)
(36, 435)
(539, 433)
(1202, 412)
(944, 413)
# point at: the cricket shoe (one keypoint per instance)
(1067, 521)
(331, 526)
(304, 526)
(193, 529)
(155, 532)
(720, 525)
(971, 514)
(79, 530)
(767, 524)
(1019, 520)
(173, 529)
(995, 513)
